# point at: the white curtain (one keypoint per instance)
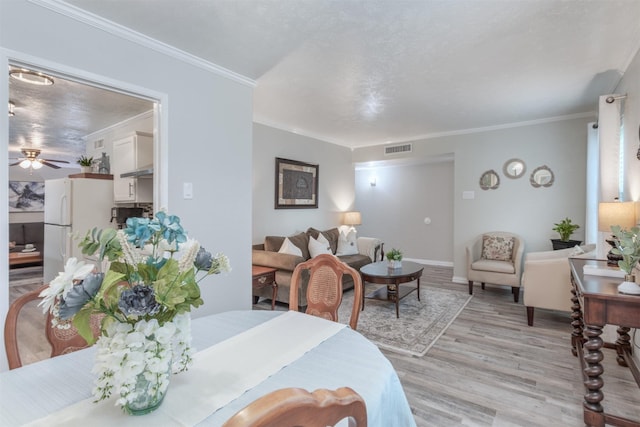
(593, 189)
(609, 123)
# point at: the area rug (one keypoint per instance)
(420, 325)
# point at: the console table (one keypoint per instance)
(596, 303)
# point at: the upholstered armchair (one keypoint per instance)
(495, 258)
(546, 279)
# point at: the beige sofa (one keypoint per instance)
(266, 254)
(547, 279)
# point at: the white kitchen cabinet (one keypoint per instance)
(132, 153)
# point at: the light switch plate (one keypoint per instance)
(187, 190)
(468, 195)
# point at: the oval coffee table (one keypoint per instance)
(380, 273)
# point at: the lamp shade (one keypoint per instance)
(352, 218)
(616, 213)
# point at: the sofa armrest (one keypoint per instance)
(370, 246)
(275, 260)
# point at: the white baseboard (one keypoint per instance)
(460, 279)
(430, 262)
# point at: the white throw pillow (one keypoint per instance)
(347, 244)
(289, 248)
(319, 246)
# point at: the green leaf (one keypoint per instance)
(82, 322)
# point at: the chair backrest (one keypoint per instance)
(289, 407)
(62, 341)
(324, 288)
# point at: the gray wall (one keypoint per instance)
(395, 209)
(336, 177)
(515, 206)
(206, 133)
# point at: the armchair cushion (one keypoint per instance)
(498, 248)
(494, 266)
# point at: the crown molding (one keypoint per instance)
(265, 122)
(123, 32)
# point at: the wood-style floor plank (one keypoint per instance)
(488, 369)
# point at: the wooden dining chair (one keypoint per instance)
(62, 341)
(293, 407)
(324, 288)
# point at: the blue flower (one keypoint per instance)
(79, 295)
(203, 260)
(138, 231)
(138, 301)
(170, 228)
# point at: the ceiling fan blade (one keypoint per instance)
(51, 165)
(53, 160)
(16, 163)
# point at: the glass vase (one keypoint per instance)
(150, 389)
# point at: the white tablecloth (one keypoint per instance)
(345, 359)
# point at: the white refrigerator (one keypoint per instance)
(72, 206)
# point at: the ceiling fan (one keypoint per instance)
(31, 160)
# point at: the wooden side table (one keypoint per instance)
(262, 277)
(596, 303)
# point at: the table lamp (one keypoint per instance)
(615, 213)
(352, 219)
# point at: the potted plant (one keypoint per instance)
(394, 256)
(86, 164)
(565, 229)
(628, 247)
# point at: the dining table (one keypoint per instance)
(240, 356)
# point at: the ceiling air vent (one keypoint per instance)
(396, 149)
(98, 144)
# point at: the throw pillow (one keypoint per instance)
(289, 248)
(331, 235)
(577, 250)
(319, 246)
(498, 248)
(347, 244)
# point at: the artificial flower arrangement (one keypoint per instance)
(144, 297)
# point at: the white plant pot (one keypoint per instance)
(629, 286)
(395, 264)
(86, 169)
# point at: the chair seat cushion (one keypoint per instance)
(494, 266)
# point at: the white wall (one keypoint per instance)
(630, 85)
(335, 193)
(395, 209)
(205, 131)
(515, 206)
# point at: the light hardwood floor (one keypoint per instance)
(488, 369)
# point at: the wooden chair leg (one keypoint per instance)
(516, 293)
(470, 287)
(530, 315)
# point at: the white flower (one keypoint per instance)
(74, 270)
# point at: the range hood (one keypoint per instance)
(145, 172)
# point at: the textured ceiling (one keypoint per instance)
(56, 118)
(362, 72)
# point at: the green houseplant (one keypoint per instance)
(628, 247)
(394, 256)
(565, 229)
(85, 163)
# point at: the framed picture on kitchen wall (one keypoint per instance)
(296, 184)
(26, 196)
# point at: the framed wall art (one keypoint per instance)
(26, 196)
(296, 184)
